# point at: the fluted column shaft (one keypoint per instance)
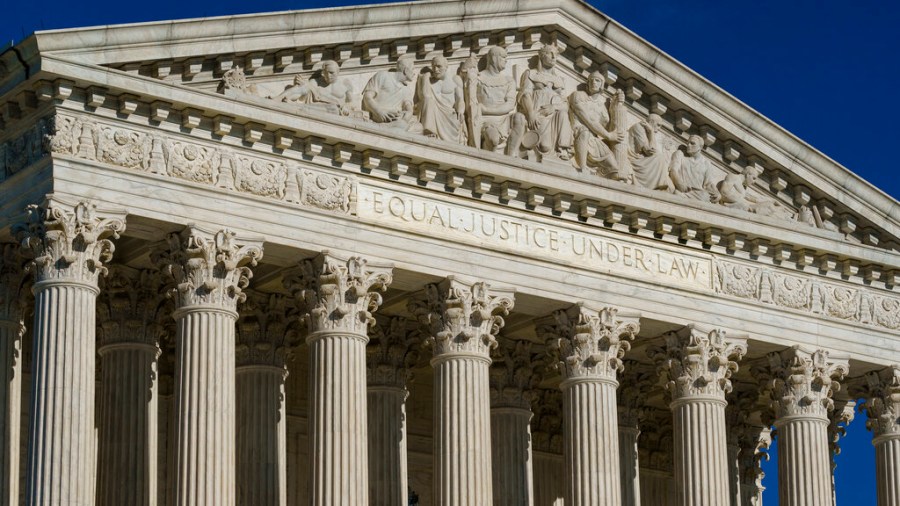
(205, 406)
(462, 433)
(591, 442)
(10, 409)
(734, 475)
(127, 462)
(629, 466)
(887, 469)
(804, 461)
(261, 436)
(387, 445)
(701, 457)
(512, 459)
(61, 467)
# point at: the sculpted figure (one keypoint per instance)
(491, 116)
(387, 98)
(692, 174)
(327, 91)
(440, 105)
(649, 162)
(733, 193)
(541, 99)
(595, 131)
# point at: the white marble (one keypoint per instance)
(12, 329)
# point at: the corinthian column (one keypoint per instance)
(263, 346)
(337, 299)
(636, 384)
(68, 245)
(12, 328)
(129, 348)
(698, 364)
(209, 277)
(883, 409)
(389, 358)
(590, 345)
(801, 384)
(462, 321)
(512, 378)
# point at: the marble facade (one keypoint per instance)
(437, 253)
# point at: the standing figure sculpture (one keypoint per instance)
(594, 131)
(648, 160)
(327, 91)
(388, 100)
(692, 174)
(440, 106)
(491, 116)
(542, 100)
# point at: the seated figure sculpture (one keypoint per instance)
(594, 130)
(440, 106)
(493, 122)
(327, 91)
(692, 174)
(542, 100)
(388, 100)
(648, 160)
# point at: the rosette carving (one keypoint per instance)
(392, 353)
(69, 241)
(882, 404)
(514, 374)
(461, 317)
(802, 382)
(263, 336)
(209, 269)
(338, 295)
(698, 362)
(589, 343)
(131, 307)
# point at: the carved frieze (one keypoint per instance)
(806, 293)
(26, 148)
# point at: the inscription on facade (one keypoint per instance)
(617, 256)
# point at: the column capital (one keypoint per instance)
(754, 442)
(462, 318)
(337, 294)
(263, 337)
(13, 285)
(635, 384)
(698, 361)
(657, 449)
(129, 307)
(69, 241)
(209, 268)
(514, 374)
(882, 406)
(801, 381)
(589, 343)
(391, 353)
(548, 421)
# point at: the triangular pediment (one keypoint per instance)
(800, 197)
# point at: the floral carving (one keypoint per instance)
(802, 382)
(322, 191)
(208, 268)
(514, 374)
(27, 148)
(589, 343)
(887, 313)
(635, 383)
(698, 362)
(657, 442)
(460, 317)
(124, 148)
(192, 162)
(131, 307)
(263, 336)
(882, 406)
(66, 241)
(547, 423)
(391, 354)
(261, 177)
(738, 280)
(334, 294)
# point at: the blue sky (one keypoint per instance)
(825, 70)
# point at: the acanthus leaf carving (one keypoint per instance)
(515, 372)
(882, 404)
(698, 362)
(635, 384)
(264, 337)
(334, 294)
(392, 352)
(589, 343)
(801, 382)
(461, 317)
(131, 307)
(13, 295)
(69, 241)
(208, 268)
(547, 424)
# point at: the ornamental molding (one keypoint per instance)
(802, 382)
(881, 390)
(460, 317)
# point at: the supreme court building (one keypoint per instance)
(494, 252)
